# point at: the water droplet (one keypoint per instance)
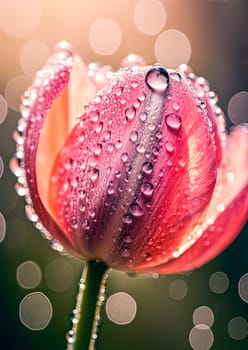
(125, 253)
(143, 116)
(220, 208)
(176, 76)
(119, 91)
(98, 127)
(74, 182)
(106, 135)
(147, 168)
(127, 219)
(169, 146)
(110, 147)
(136, 210)
(30, 213)
(147, 189)
(157, 78)
(142, 97)
(15, 167)
(98, 149)
(182, 163)
(133, 136)
(175, 106)
(93, 174)
(118, 144)
(148, 257)
(127, 239)
(173, 121)
(124, 157)
(94, 116)
(140, 148)
(86, 224)
(110, 189)
(130, 113)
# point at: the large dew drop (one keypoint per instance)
(157, 78)
(173, 121)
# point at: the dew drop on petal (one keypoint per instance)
(173, 121)
(140, 148)
(127, 219)
(133, 136)
(93, 174)
(147, 168)
(147, 189)
(127, 239)
(125, 253)
(130, 113)
(136, 210)
(169, 146)
(157, 78)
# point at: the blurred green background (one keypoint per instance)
(217, 32)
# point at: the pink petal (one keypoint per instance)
(228, 209)
(103, 170)
(61, 118)
(46, 127)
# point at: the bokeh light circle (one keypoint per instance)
(219, 282)
(3, 109)
(35, 311)
(105, 36)
(33, 56)
(59, 275)
(201, 337)
(121, 308)
(28, 275)
(178, 289)
(14, 90)
(2, 227)
(203, 315)
(238, 107)
(238, 328)
(243, 287)
(149, 16)
(1, 167)
(172, 48)
(20, 18)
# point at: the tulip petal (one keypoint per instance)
(50, 87)
(136, 136)
(228, 209)
(60, 120)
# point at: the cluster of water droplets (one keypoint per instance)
(75, 315)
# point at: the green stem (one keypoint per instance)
(87, 313)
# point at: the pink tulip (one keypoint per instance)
(133, 168)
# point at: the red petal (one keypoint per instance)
(228, 209)
(94, 190)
